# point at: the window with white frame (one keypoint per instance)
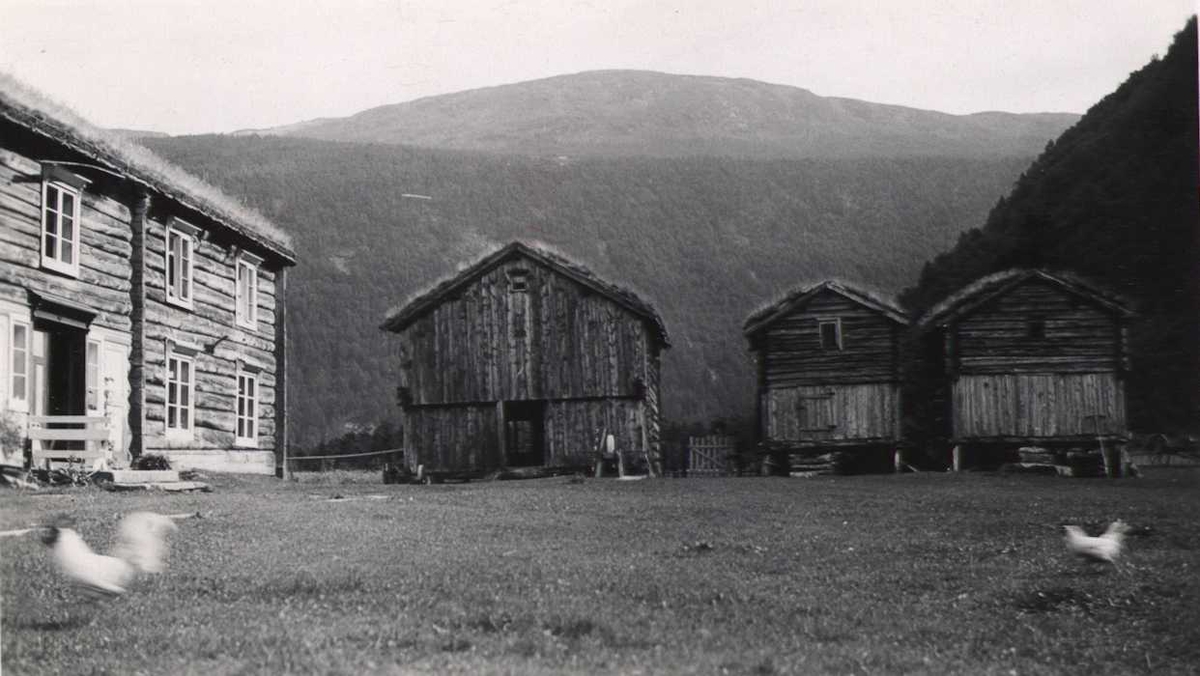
(247, 409)
(246, 295)
(180, 395)
(180, 245)
(60, 227)
(831, 333)
(19, 365)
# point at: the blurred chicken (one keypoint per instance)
(1105, 547)
(140, 547)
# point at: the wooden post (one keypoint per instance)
(501, 434)
(137, 317)
(958, 458)
(281, 392)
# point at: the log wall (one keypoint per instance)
(105, 239)
(1079, 336)
(116, 271)
(791, 346)
(210, 319)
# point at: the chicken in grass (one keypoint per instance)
(140, 548)
(1105, 547)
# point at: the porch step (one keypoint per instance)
(168, 486)
(139, 476)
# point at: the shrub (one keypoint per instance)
(150, 461)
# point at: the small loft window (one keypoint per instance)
(831, 334)
(1035, 328)
(60, 227)
(518, 280)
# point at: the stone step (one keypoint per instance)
(138, 476)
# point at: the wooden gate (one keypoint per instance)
(710, 455)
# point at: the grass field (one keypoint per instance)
(925, 573)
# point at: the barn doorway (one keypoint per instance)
(524, 433)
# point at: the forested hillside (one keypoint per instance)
(1115, 200)
(643, 113)
(705, 239)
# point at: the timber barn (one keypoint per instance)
(1031, 358)
(526, 359)
(828, 361)
(141, 311)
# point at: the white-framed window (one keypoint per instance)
(181, 377)
(247, 409)
(19, 344)
(181, 244)
(246, 292)
(831, 333)
(60, 227)
(92, 376)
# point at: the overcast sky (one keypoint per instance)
(192, 66)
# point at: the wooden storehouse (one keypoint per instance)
(828, 360)
(526, 359)
(138, 306)
(1031, 358)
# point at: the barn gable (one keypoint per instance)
(797, 300)
(414, 308)
(982, 292)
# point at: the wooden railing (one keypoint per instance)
(45, 431)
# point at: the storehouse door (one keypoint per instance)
(815, 414)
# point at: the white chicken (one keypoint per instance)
(140, 547)
(1104, 547)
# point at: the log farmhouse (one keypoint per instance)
(828, 361)
(526, 359)
(1031, 358)
(138, 306)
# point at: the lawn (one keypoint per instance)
(918, 573)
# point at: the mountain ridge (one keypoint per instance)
(648, 113)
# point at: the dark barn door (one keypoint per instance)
(524, 433)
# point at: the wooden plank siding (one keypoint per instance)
(590, 364)
(1038, 406)
(555, 341)
(792, 345)
(833, 413)
(444, 439)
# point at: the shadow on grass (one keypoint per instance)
(68, 623)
